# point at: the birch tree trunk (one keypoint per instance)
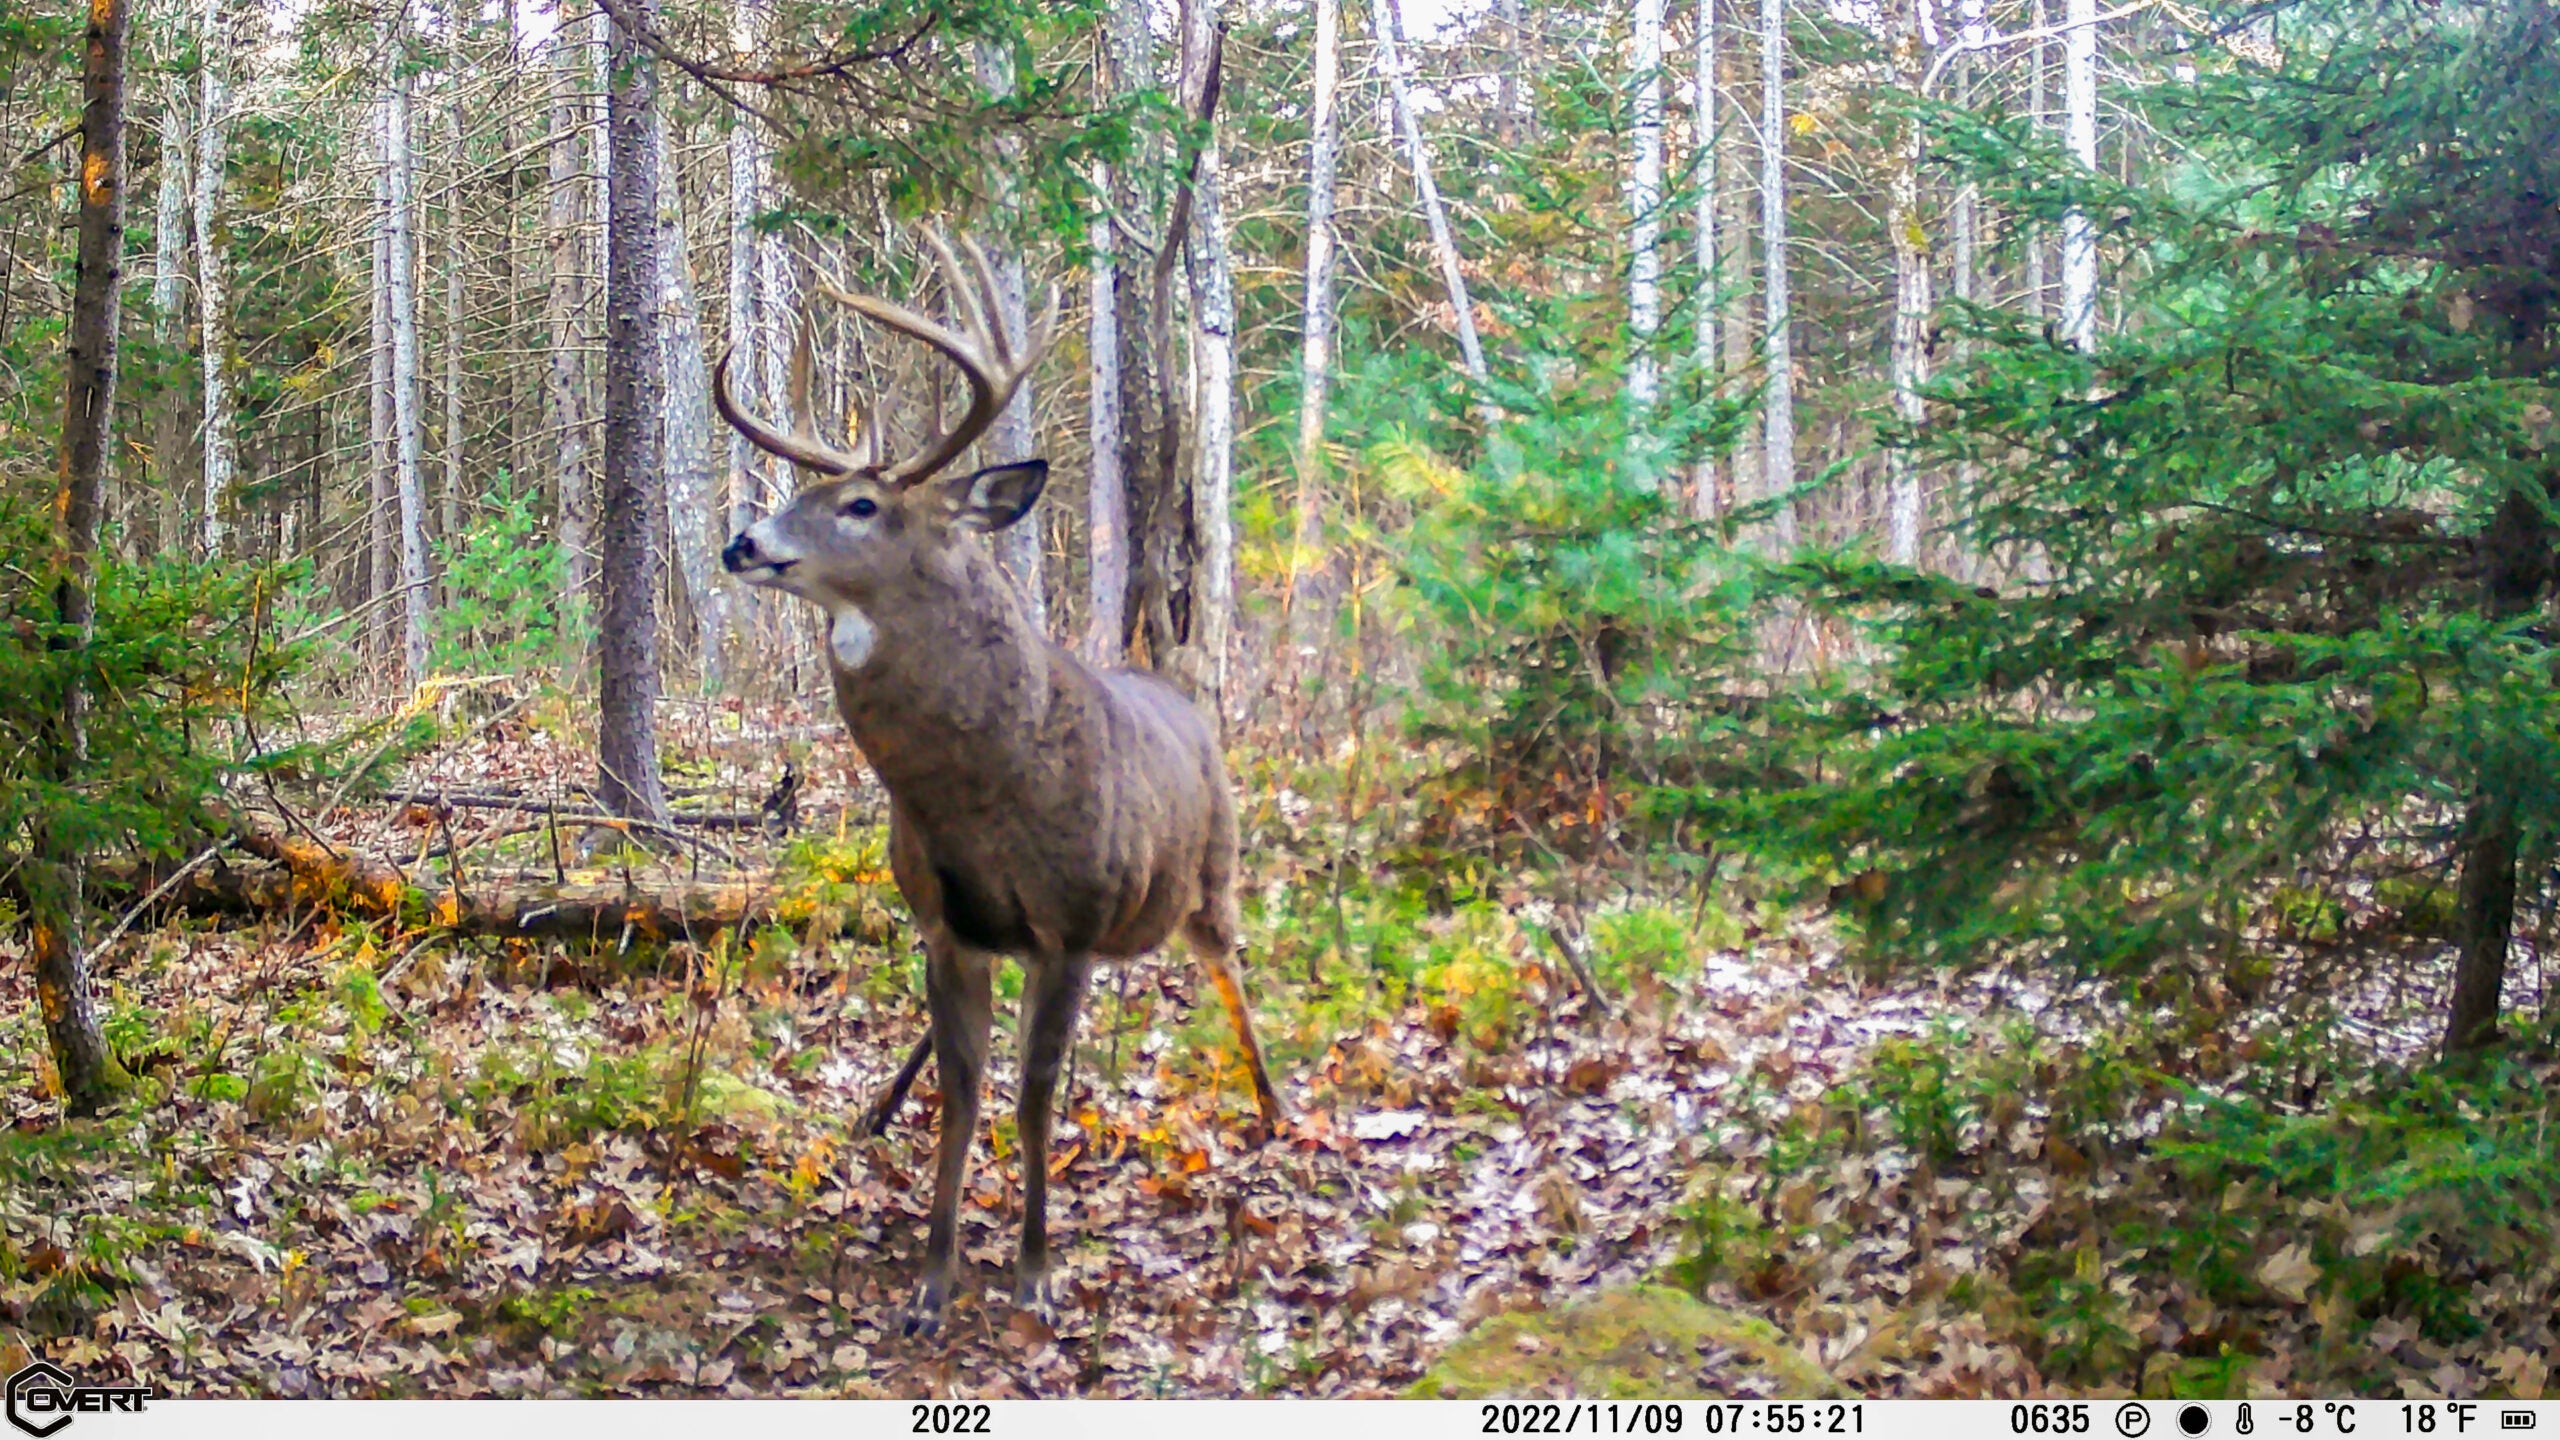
(752, 482)
(1106, 493)
(1018, 546)
(213, 292)
(1704, 499)
(1909, 361)
(634, 502)
(1644, 207)
(1315, 345)
(168, 308)
(1739, 277)
(82, 1061)
(694, 511)
(400, 263)
(1508, 113)
(2036, 101)
(1213, 317)
(565, 375)
(2080, 134)
(1161, 543)
(382, 515)
(451, 499)
(1444, 243)
(1778, 408)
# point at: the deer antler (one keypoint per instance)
(987, 357)
(802, 446)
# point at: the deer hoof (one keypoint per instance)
(924, 1313)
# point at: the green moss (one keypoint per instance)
(1638, 1343)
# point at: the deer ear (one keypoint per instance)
(997, 496)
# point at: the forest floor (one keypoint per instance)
(375, 1161)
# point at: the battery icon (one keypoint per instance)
(2515, 1419)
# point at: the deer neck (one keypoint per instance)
(942, 671)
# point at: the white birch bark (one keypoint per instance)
(2080, 135)
(449, 516)
(383, 572)
(213, 278)
(1644, 207)
(568, 416)
(1315, 343)
(752, 483)
(401, 265)
(1012, 437)
(170, 223)
(1704, 498)
(1417, 150)
(1106, 490)
(1909, 361)
(1213, 318)
(1778, 409)
(2036, 102)
(692, 510)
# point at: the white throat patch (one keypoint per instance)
(851, 637)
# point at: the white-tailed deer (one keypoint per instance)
(1037, 808)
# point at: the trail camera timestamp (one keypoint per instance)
(1732, 1417)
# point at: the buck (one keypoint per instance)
(1038, 808)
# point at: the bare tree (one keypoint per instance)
(213, 277)
(1778, 403)
(753, 483)
(1017, 547)
(400, 263)
(1106, 604)
(1705, 501)
(383, 551)
(634, 502)
(450, 495)
(1909, 363)
(82, 1061)
(697, 518)
(1417, 151)
(2037, 99)
(168, 307)
(1315, 346)
(1644, 206)
(565, 375)
(1213, 319)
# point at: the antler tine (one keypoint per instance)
(801, 448)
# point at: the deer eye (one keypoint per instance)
(862, 507)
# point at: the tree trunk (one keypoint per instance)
(1106, 499)
(1213, 318)
(565, 376)
(695, 513)
(453, 496)
(168, 307)
(1909, 361)
(1013, 436)
(400, 261)
(380, 516)
(753, 482)
(1444, 243)
(1161, 542)
(1315, 350)
(1704, 498)
(87, 1069)
(1733, 168)
(1777, 405)
(213, 281)
(1508, 113)
(1644, 207)
(634, 502)
(2080, 133)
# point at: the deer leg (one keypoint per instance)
(1052, 993)
(958, 991)
(875, 1121)
(1221, 965)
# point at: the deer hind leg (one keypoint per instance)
(1217, 955)
(958, 989)
(1053, 991)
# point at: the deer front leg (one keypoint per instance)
(957, 985)
(1053, 991)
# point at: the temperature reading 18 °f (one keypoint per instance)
(2430, 1417)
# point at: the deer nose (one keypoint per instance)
(740, 554)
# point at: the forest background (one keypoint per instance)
(1891, 665)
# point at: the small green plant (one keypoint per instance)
(503, 585)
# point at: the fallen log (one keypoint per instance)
(292, 875)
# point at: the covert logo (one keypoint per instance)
(43, 1397)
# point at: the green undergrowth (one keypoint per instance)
(2168, 1206)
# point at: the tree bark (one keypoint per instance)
(1106, 499)
(87, 1069)
(753, 481)
(168, 310)
(1417, 150)
(565, 375)
(2037, 100)
(451, 496)
(1909, 361)
(1315, 346)
(1705, 497)
(1733, 169)
(2080, 134)
(1777, 405)
(1644, 207)
(400, 263)
(1013, 436)
(695, 513)
(1162, 546)
(213, 276)
(382, 514)
(1213, 318)
(634, 502)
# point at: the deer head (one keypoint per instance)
(869, 519)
